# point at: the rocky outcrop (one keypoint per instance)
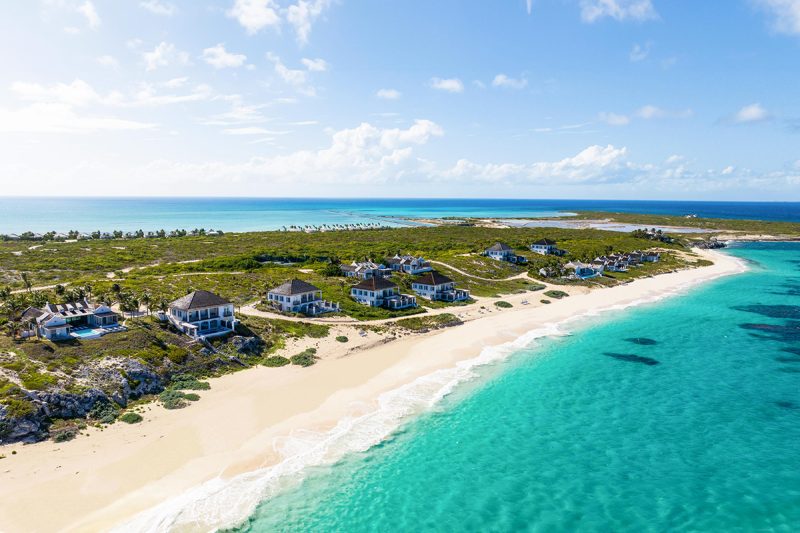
(247, 345)
(113, 380)
(710, 244)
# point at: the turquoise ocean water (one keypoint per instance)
(60, 214)
(679, 415)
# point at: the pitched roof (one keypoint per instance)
(198, 300)
(545, 242)
(499, 247)
(433, 278)
(375, 284)
(294, 286)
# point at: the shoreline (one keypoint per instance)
(257, 426)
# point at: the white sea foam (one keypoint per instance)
(223, 503)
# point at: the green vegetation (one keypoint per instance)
(130, 417)
(187, 382)
(65, 430)
(104, 412)
(502, 304)
(276, 360)
(191, 396)
(172, 399)
(305, 358)
(342, 338)
(557, 295)
(545, 301)
(425, 323)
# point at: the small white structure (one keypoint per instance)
(436, 286)
(380, 292)
(63, 321)
(545, 247)
(503, 252)
(365, 270)
(409, 264)
(298, 296)
(202, 314)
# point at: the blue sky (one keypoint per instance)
(650, 99)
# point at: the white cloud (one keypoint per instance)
(728, 170)
(501, 80)
(388, 94)
(61, 118)
(218, 57)
(255, 15)
(639, 52)
(87, 10)
(530, 6)
(174, 83)
(315, 65)
(650, 111)
(364, 154)
(108, 61)
(252, 130)
(297, 78)
(302, 15)
(751, 113)
(71, 30)
(613, 119)
(452, 85)
(157, 7)
(785, 13)
(163, 55)
(75, 94)
(593, 164)
(638, 10)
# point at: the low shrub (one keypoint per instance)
(131, 418)
(276, 360)
(187, 382)
(104, 412)
(545, 301)
(191, 396)
(342, 338)
(556, 294)
(305, 358)
(63, 431)
(502, 304)
(172, 399)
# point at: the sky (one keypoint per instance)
(624, 99)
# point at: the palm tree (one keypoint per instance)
(60, 289)
(88, 289)
(146, 300)
(26, 280)
(11, 329)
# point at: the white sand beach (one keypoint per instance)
(241, 425)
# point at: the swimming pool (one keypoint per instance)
(87, 333)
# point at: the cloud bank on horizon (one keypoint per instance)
(528, 98)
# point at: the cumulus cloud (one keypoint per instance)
(315, 65)
(218, 57)
(501, 80)
(639, 52)
(163, 55)
(255, 15)
(451, 85)
(614, 119)
(388, 94)
(157, 7)
(785, 14)
(637, 10)
(90, 13)
(594, 163)
(751, 113)
(303, 14)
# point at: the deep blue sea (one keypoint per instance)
(679, 415)
(251, 214)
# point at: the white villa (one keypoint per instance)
(546, 247)
(365, 270)
(409, 264)
(298, 296)
(380, 292)
(79, 319)
(202, 314)
(503, 252)
(436, 286)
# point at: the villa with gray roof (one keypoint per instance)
(202, 314)
(502, 252)
(546, 247)
(409, 264)
(79, 319)
(298, 296)
(437, 286)
(380, 292)
(365, 270)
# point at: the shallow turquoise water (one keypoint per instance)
(692, 426)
